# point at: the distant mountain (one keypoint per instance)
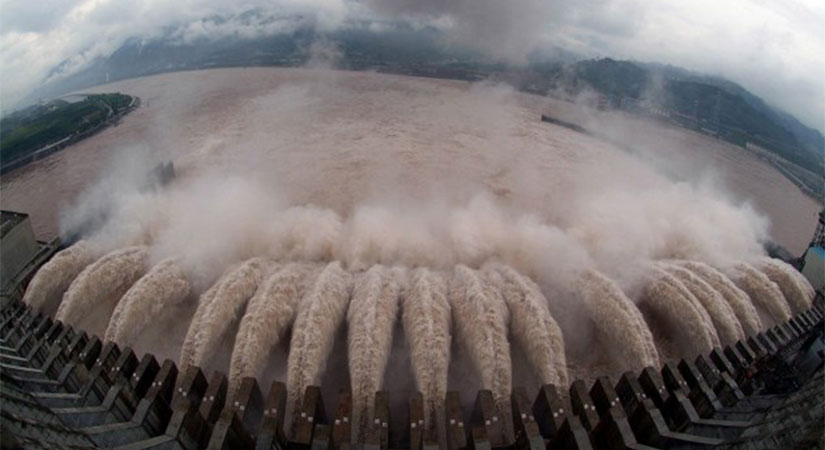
(716, 104)
(711, 102)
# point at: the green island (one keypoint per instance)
(39, 130)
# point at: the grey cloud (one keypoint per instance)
(506, 30)
(772, 47)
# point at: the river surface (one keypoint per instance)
(335, 138)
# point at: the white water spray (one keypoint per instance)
(724, 319)
(670, 312)
(426, 317)
(738, 300)
(531, 323)
(224, 308)
(51, 281)
(150, 299)
(763, 292)
(320, 314)
(481, 319)
(268, 316)
(620, 323)
(370, 322)
(101, 284)
(794, 286)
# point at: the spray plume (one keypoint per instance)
(426, 318)
(223, 309)
(101, 284)
(481, 320)
(724, 319)
(320, 314)
(661, 268)
(50, 282)
(268, 315)
(738, 300)
(164, 286)
(669, 309)
(620, 323)
(531, 323)
(763, 292)
(794, 286)
(370, 319)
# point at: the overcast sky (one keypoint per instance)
(775, 48)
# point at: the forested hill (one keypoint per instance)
(710, 102)
(718, 104)
(34, 128)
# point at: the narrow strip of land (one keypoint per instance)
(40, 130)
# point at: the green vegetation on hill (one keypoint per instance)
(718, 106)
(26, 131)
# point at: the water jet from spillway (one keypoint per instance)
(738, 300)
(794, 286)
(164, 286)
(721, 314)
(531, 323)
(763, 292)
(269, 314)
(51, 281)
(620, 323)
(320, 314)
(481, 323)
(92, 296)
(427, 323)
(678, 322)
(221, 307)
(370, 320)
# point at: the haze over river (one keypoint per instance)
(335, 138)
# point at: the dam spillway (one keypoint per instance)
(64, 387)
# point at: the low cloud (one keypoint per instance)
(773, 48)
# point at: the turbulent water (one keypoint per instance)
(481, 317)
(721, 314)
(269, 314)
(53, 279)
(764, 293)
(738, 300)
(311, 208)
(531, 323)
(220, 309)
(620, 323)
(99, 287)
(795, 287)
(673, 312)
(427, 324)
(150, 299)
(320, 314)
(370, 320)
